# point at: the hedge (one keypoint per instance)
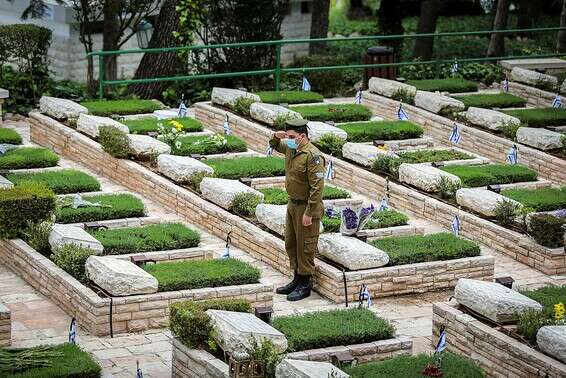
(547, 230)
(247, 166)
(66, 360)
(61, 182)
(28, 157)
(452, 85)
(72, 259)
(430, 156)
(207, 145)
(155, 237)
(205, 273)
(492, 100)
(381, 130)
(482, 175)
(540, 117)
(121, 206)
(422, 248)
(321, 329)
(10, 136)
(541, 199)
(334, 112)
(146, 125)
(289, 97)
(531, 321)
(278, 196)
(107, 108)
(331, 224)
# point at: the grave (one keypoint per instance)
(222, 191)
(268, 113)
(181, 168)
(91, 124)
(350, 252)
(63, 234)
(60, 108)
(227, 97)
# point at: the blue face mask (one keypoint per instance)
(292, 144)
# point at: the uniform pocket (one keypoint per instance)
(311, 245)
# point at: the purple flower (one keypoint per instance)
(350, 218)
(560, 213)
(331, 213)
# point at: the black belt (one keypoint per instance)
(298, 201)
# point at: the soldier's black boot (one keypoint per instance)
(288, 289)
(302, 291)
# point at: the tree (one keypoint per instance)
(87, 13)
(389, 17)
(561, 40)
(111, 37)
(427, 24)
(497, 40)
(319, 24)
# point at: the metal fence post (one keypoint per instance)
(277, 66)
(100, 77)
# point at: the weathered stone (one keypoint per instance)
(90, 124)
(319, 129)
(481, 200)
(181, 168)
(227, 96)
(307, 369)
(540, 138)
(62, 234)
(5, 147)
(350, 252)
(120, 277)
(60, 108)
(552, 341)
(222, 191)
(144, 146)
(563, 87)
(533, 78)
(363, 154)
(5, 183)
(424, 176)
(273, 217)
(493, 300)
(166, 113)
(490, 119)
(234, 331)
(437, 103)
(388, 88)
(268, 113)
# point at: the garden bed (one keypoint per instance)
(452, 85)
(121, 205)
(150, 124)
(289, 97)
(381, 130)
(540, 117)
(247, 167)
(541, 199)
(333, 112)
(278, 196)
(379, 219)
(530, 322)
(107, 108)
(60, 181)
(9, 136)
(209, 145)
(492, 100)
(483, 175)
(28, 157)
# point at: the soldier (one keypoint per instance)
(304, 182)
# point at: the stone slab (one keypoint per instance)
(90, 124)
(227, 96)
(481, 200)
(319, 129)
(268, 113)
(360, 153)
(489, 119)
(552, 341)
(532, 77)
(437, 103)
(62, 234)
(543, 63)
(350, 252)
(540, 138)
(273, 217)
(144, 146)
(181, 168)
(222, 191)
(289, 368)
(424, 176)
(5, 183)
(388, 88)
(60, 108)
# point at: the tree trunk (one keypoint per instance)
(427, 24)
(111, 37)
(163, 64)
(319, 24)
(354, 4)
(497, 40)
(389, 22)
(561, 43)
(525, 20)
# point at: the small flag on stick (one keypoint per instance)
(226, 254)
(383, 205)
(73, 331)
(455, 134)
(329, 173)
(227, 128)
(401, 113)
(306, 86)
(455, 67)
(557, 102)
(506, 84)
(139, 373)
(269, 151)
(512, 155)
(455, 225)
(358, 99)
(441, 345)
(365, 295)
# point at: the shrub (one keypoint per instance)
(244, 204)
(381, 130)
(548, 296)
(10, 136)
(531, 321)
(107, 108)
(289, 97)
(61, 182)
(242, 105)
(452, 85)
(266, 353)
(114, 142)
(37, 236)
(386, 218)
(547, 230)
(510, 130)
(27, 202)
(539, 117)
(482, 175)
(191, 325)
(447, 188)
(250, 167)
(278, 196)
(208, 145)
(72, 258)
(506, 212)
(196, 274)
(492, 100)
(195, 180)
(28, 157)
(155, 237)
(431, 156)
(146, 125)
(281, 119)
(541, 199)
(331, 224)
(386, 164)
(331, 144)
(403, 95)
(334, 112)
(321, 329)
(419, 248)
(114, 206)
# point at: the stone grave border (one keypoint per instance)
(5, 326)
(535, 97)
(359, 180)
(498, 355)
(329, 280)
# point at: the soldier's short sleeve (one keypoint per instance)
(315, 172)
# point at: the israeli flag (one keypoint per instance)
(139, 373)
(512, 155)
(329, 174)
(506, 84)
(557, 102)
(455, 225)
(383, 205)
(269, 150)
(226, 254)
(182, 110)
(365, 295)
(455, 134)
(306, 86)
(227, 128)
(441, 345)
(401, 113)
(358, 99)
(73, 331)
(455, 67)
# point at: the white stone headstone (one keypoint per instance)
(144, 146)
(319, 129)
(540, 138)
(531, 77)
(552, 341)
(222, 191)
(60, 108)
(424, 176)
(437, 103)
(489, 119)
(62, 234)
(481, 200)
(268, 113)
(289, 368)
(181, 168)
(350, 252)
(273, 217)
(227, 96)
(90, 124)
(363, 154)
(388, 88)
(120, 277)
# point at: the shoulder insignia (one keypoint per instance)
(316, 159)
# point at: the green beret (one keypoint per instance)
(295, 123)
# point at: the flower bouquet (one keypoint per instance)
(354, 220)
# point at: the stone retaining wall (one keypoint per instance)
(498, 355)
(534, 96)
(5, 326)
(358, 180)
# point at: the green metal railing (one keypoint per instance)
(278, 69)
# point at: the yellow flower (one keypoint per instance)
(178, 125)
(382, 147)
(559, 311)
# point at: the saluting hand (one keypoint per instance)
(307, 221)
(281, 134)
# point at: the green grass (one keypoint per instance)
(205, 145)
(453, 366)
(249, 167)
(61, 182)
(542, 199)
(492, 100)
(322, 329)
(452, 85)
(334, 112)
(155, 237)
(205, 273)
(430, 156)
(290, 97)
(541, 117)
(278, 196)
(146, 125)
(10, 136)
(482, 175)
(122, 206)
(386, 218)
(381, 130)
(548, 296)
(423, 248)
(70, 361)
(28, 157)
(531, 321)
(106, 108)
